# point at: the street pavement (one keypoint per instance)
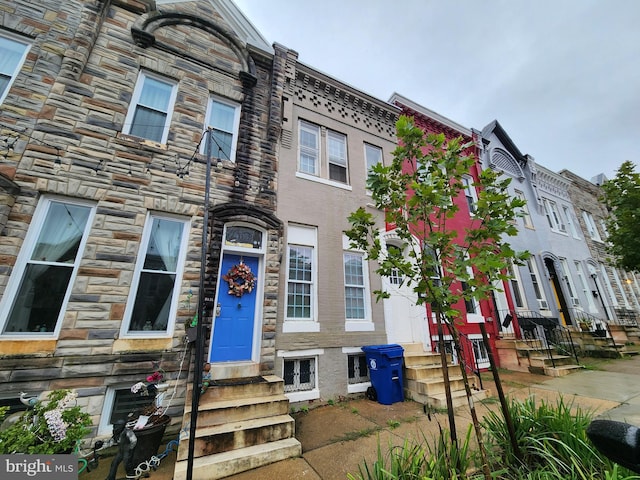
(338, 439)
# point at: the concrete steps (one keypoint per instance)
(242, 424)
(424, 382)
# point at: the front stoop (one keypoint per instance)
(424, 382)
(558, 367)
(242, 424)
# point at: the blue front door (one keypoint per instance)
(232, 337)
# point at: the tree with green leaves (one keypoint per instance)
(417, 193)
(622, 199)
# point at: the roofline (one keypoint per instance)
(396, 97)
(301, 66)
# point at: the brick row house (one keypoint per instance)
(472, 312)
(332, 134)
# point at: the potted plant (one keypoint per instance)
(53, 425)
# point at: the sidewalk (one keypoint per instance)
(337, 439)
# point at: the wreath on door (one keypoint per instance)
(241, 280)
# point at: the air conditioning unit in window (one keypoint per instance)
(575, 302)
(563, 227)
(543, 305)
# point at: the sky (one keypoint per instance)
(561, 76)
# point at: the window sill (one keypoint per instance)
(359, 326)
(358, 387)
(475, 318)
(303, 396)
(324, 181)
(142, 344)
(300, 326)
(24, 345)
(133, 141)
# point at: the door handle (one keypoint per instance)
(218, 310)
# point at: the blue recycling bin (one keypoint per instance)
(385, 372)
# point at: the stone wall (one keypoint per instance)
(67, 108)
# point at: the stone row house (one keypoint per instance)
(111, 114)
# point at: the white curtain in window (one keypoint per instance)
(166, 237)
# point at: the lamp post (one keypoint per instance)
(197, 373)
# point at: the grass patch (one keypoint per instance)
(365, 432)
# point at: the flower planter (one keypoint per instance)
(149, 439)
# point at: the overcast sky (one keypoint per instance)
(561, 76)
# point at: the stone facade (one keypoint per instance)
(616, 291)
(65, 116)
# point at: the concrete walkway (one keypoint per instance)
(338, 439)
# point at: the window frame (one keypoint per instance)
(368, 162)
(586, 291)
(470, 194)
(135, 98)
(313, 129)
(538, 290)
(24, 259)
(293, 355)
(321, 154)
(568, 215)
(526, 218)
(302, 236)
(515, 284)
(236, 127)
(568, 279)
(553, 216)
(10, 37)
(125, 331)
(590, 223)
(339, 138)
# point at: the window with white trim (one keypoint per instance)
(571, 224)
(358, 370)
(616, 278)
(628, 280)
(337, 157)
(309, 148)
(537, 289)
(607, 283)
(526, 218)
(119, 402)
(301, 273)
(153, 300)
(13, 52)
(516, 285)
(553, 216)
(568, 281)
(470, 194)
(223, 118)
(591, 226)
(480, 353)
(40, 286)
(151, 108)
(603, 225)
(355, 288)
(586, 291)
(299, 374)
(325, 161)
(372, 156)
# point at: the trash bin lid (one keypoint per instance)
(390, 350)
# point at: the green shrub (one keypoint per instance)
(52, 426)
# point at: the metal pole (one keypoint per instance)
(503, 400)
(197, 372)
